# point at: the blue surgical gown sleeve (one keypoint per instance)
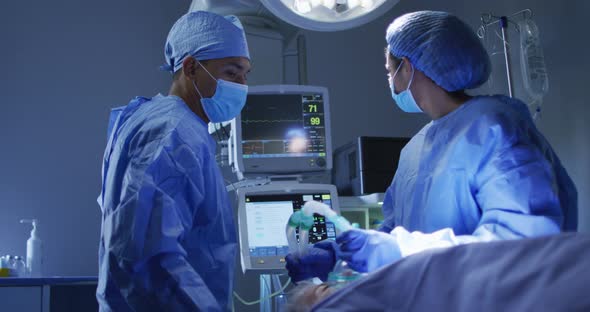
(145, 257)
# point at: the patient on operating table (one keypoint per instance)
(536, 274)
(306, 295)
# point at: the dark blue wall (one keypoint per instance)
(63, 65)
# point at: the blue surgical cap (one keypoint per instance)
(441, 46)
(204, 36)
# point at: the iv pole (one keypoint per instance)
(504, 27)
(503, 21)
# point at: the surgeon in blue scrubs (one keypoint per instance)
(479, 171)
(168, 237)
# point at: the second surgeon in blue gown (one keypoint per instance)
(168, 240)
(480, 171)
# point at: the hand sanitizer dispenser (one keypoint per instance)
(34, 251)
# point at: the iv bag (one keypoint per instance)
(532, 61)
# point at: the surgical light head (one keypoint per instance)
(340, 6)
(441, 46)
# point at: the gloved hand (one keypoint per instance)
(367, 250)
(317, 262)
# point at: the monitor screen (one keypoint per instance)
(267, 216)
(284, 129)
(288, 125)
(263, 213)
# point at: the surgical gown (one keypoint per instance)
(168, 240)
(483, 172)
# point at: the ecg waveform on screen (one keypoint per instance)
(246, 121)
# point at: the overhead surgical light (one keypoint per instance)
(328, 15)
(315, 3)
(330, 4)
(353, 4)
(302, 6)
(367, 3)
(320, 15)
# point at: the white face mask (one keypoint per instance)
(227, 102)
(404, 100)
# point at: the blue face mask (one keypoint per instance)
(226, 103)
(404, 100)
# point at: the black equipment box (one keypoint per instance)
(366, 165)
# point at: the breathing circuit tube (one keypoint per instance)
(304, 220)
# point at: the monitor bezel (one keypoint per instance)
(282, 165)
(274, 264)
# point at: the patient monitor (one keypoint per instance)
(283, 129)
(262, 218)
